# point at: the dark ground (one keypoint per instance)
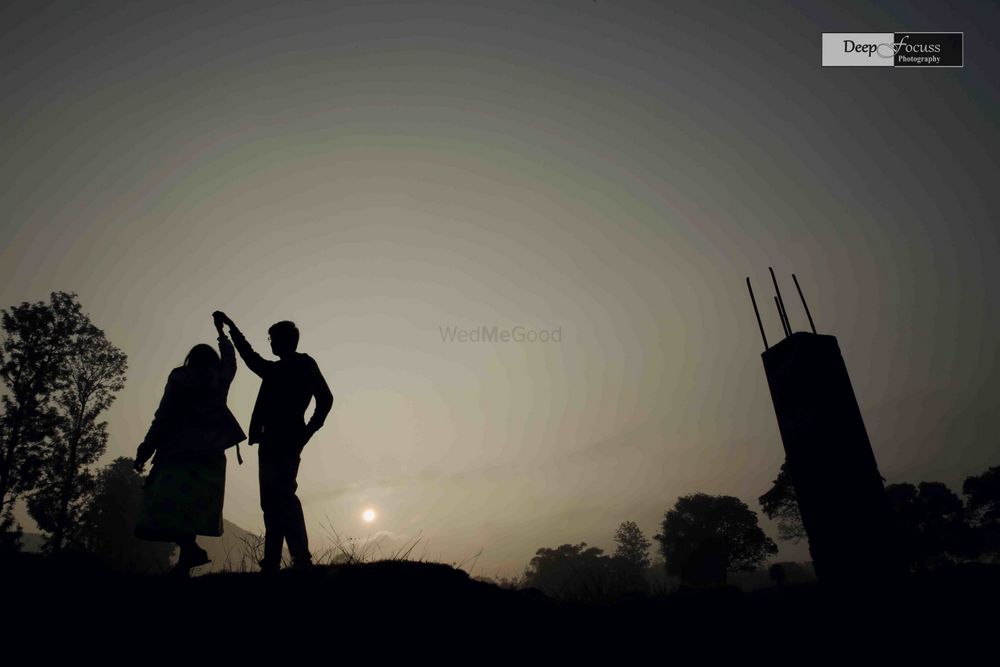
(435, 609)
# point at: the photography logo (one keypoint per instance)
(893, 49)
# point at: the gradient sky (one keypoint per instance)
(377, 171)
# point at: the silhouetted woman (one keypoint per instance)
(187, 440)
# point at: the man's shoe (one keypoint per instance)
(301, 563)
(268, 568)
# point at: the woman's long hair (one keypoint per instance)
(202, 358)
(195, 376)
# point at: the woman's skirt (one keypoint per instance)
(183, 496)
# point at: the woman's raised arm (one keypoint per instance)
(228, 355)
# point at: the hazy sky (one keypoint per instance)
(379, 171)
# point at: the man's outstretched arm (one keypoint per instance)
(254, 361)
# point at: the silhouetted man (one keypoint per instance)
(278, 424)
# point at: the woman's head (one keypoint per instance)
(202, 357)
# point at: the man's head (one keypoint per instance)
(284, 337)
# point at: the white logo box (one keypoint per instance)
(858, 49)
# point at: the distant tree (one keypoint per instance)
(932, 524)
(982, 494)
(780, 504)
(108, 524)
(631, 545)
(37, 340)
(704, 537)
(571, 572)
(630, 560)
(94, 373)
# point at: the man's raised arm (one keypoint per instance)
(254, 361)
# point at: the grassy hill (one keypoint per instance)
(331, 607)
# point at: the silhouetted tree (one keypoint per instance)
(631, 558)
(108, 523)
(38, 338)
(703, 537)
(780, 504)
(982, 494)
(571, 572)
(94, 373)
(932, 525)
(631, 545)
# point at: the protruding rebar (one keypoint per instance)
(784, 314)
(781, 305)
(804, 305)
(781, 316)
(757, 313)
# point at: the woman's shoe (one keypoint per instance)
(200, 557)
(179, 570)
(189, 560)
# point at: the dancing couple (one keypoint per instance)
(193, 427)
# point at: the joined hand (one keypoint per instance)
(220, 319)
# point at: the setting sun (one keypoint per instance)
(368, 515)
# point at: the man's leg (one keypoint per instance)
(283, 517)
(270, 474)
(292, 516)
